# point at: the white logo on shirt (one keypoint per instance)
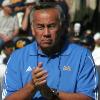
(29, 69)
(67, 68)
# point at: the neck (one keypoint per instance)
(6, 13)
(54, 49)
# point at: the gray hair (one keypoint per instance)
(48, 5)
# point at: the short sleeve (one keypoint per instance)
(16, 25)
(87, 77)
(12, 81)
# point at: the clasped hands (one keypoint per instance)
(39, 76)
(39, 81)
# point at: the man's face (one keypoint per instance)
(46, 27)
(8, 10)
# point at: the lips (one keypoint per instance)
(47, 41)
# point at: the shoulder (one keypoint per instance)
(75, 48)
(13, 17)
(81, 50)
(1, 12)
(21, 55)
(27, 50)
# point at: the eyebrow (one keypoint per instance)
(39, 24)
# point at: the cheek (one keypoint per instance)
(55, 35)
(9, 10)
(38, 36)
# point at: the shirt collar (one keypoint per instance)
(33, 49)
(66, 50)
(2, 13)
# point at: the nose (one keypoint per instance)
(46, 31)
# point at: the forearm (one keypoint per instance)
(1, 35)
(51, 95)
(25, 22)
(4, 37)
(73, 96)
(15, 33)
(25, 93)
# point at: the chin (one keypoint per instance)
(46, 46)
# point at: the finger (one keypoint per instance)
(37, 84)
(40, 64)
(38, 79)
(42, 82)
(40, 74)
(37, 70)
(42, 78)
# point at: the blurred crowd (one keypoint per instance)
(15, 26)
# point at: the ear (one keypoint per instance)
(33, 33)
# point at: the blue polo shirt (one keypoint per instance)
(72, 70)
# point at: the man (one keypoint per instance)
(96, 54)
(50, 68)
(96, 50)
(8, 23)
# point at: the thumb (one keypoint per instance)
(40, 64)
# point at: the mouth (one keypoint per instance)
(47, 41)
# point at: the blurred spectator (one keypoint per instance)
(8, 23)
(77, 29)
(19, 8)
(19, 5)
(26, 24)
(75, 32)
(96, 52)
(7, 49)
(26, 19)
(96, 55)
(88, 42)
(21, 42)
(88, 32)
(82, 10)
(16, 1)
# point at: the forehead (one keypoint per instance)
(46, 14)
(7, 7)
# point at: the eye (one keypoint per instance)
(52, 26)
(39, 27)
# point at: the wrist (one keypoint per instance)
(49, 93)
(55, 94)
(26, 15)
(32, 85)
(55, 91)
